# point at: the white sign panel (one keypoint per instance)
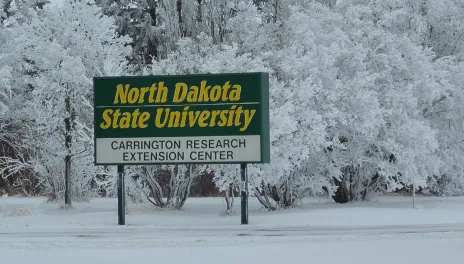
(216, 149)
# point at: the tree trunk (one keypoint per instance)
(67, 176)
(276, 10)
(5, 186)
(68, 123)
(184, 190)
(342, 193)
(200, 11)
(152, 49)
(182, 28)
(229, 197)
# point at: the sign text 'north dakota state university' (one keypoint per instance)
(211, 118)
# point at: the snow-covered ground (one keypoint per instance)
(386, 230)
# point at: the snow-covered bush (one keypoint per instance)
(172, 193)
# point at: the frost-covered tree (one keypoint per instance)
(430, 23)
(405, 70)
(445, 115)
(358, 107)
(138, 20)
(58, 50)
(12, 171)
(156, 26)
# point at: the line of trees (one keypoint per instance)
(365, 95)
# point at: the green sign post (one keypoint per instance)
(182, 119)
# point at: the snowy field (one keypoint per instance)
(386, 230)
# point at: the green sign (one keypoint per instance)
(168, 119)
